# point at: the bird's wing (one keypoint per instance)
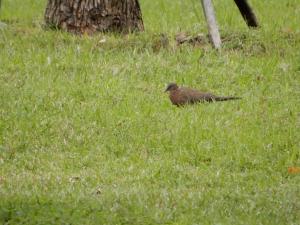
(194, 95)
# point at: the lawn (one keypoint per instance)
(88, 136)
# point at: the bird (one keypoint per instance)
(181, 96)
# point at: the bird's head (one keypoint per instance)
(171, 87)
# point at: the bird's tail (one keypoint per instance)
(226, 98)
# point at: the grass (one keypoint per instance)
(87, 135)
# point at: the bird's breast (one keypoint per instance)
(177, 98)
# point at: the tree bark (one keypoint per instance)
(89, 16)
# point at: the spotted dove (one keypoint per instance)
(180, 96)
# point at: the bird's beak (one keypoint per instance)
(166, 90)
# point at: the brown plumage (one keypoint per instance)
(180, 96)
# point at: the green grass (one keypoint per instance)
(87, 135)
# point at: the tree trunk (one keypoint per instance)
(89, 16)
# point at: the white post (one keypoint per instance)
(211, 23)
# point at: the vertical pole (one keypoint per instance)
(247, 12)
(211, 23)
